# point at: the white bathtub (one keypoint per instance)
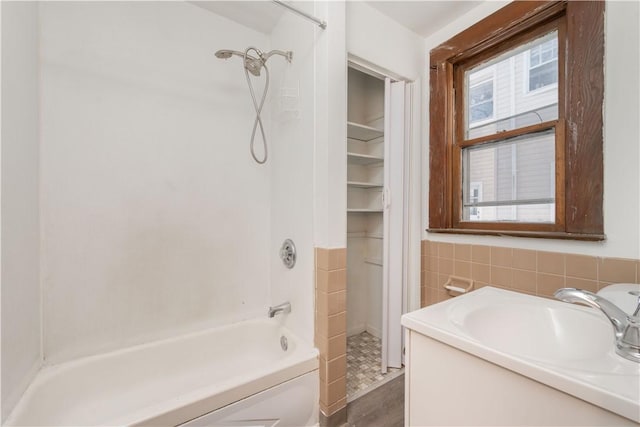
(171, 381)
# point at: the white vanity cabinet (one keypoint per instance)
(446, 386)
(453, 377)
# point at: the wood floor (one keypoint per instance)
(382, 407)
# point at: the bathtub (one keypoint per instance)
(174, 381)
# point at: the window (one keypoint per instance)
(500, 161)
(543, 65)
(515, 170)
(481, 101)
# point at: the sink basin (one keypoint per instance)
(546, 333)
(565, 346)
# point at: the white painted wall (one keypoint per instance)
(156, 220)
(382, 41)
(292, 149)
(621, 136)
(365, 99)
(21, 304)
(357, 290)
(330, 145)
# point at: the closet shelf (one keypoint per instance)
(357, 210)
(358, 184)
(362, 132)
(363, 159)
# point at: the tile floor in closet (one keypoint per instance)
(363, 365)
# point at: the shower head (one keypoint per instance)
(254, 65)
(251, 63)
(226, 53)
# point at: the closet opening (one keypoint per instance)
(376, 192)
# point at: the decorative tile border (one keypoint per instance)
(533, 272)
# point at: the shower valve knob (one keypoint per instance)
(288, 253)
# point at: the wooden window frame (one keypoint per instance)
(579, 127)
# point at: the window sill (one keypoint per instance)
(513, 233)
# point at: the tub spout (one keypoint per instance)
(285, 308)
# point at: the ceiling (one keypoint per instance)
(422, 17)
(258, 15)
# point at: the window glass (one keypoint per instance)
(499, 93)
(543, 65)
(516, 177)
(481, 101)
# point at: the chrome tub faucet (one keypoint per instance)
(626, 326)
(285, 308)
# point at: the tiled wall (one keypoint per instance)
(331, 327)
(532, 272)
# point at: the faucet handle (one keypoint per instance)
(636, 294)
(628, 346)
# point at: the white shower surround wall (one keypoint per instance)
(20, 255)
(173, 381)
(291, 145)
(156, 221)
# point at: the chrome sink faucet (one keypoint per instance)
(285, 308)
(626, 327)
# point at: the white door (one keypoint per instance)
(393, 249)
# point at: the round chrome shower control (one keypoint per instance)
(288, 253)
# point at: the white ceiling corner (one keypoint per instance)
(423, 17)
(261, 16)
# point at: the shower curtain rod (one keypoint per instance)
(321, 24)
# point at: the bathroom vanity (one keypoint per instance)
(495, 357)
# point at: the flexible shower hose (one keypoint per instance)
(258, 121)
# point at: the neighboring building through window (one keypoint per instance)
(543, 65)
(481, 101)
